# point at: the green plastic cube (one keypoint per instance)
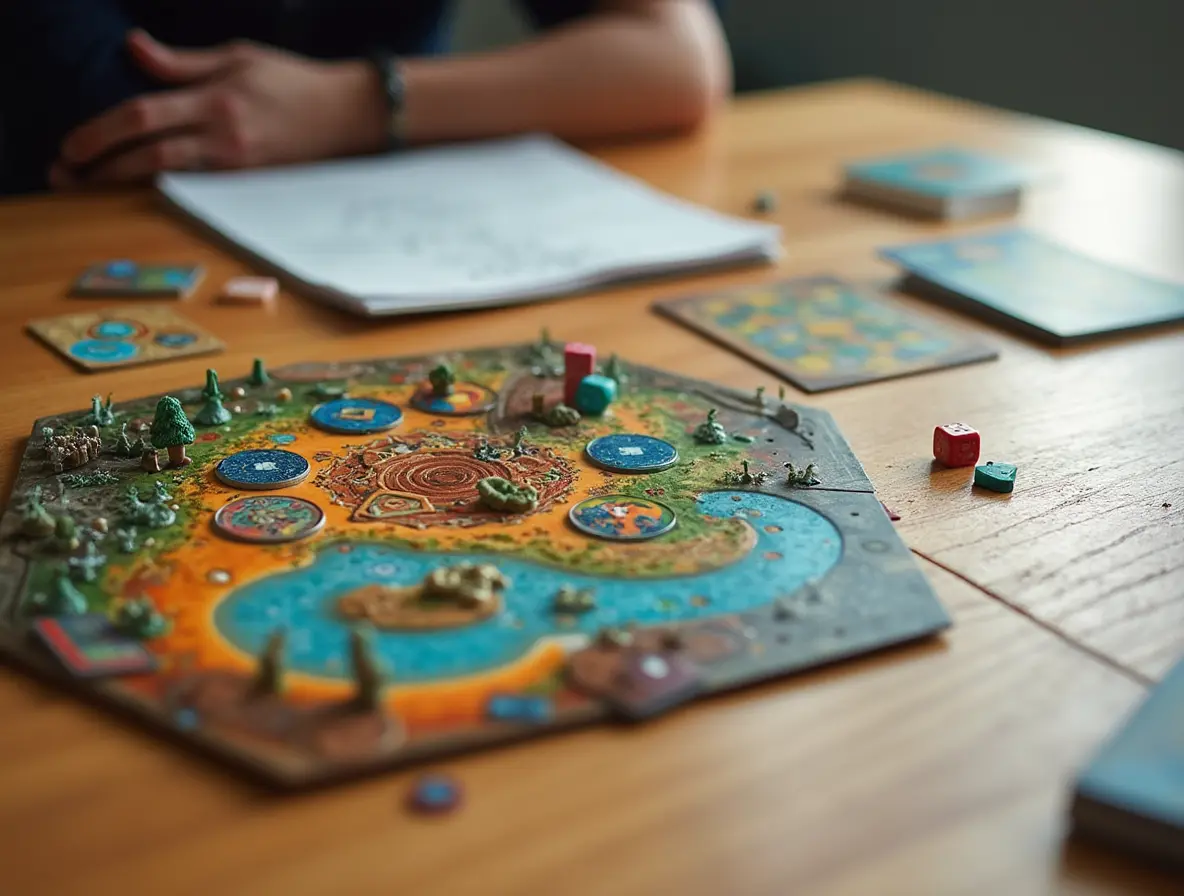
(594, 394)
(995, 477)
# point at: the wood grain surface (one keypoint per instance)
(941, 768)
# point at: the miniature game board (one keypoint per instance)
(328, 587)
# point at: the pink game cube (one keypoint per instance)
(956, 444)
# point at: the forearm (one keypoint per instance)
(613, 73)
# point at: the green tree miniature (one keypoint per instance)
(171, 429)
(259, 375)
(139, 618)
(36, 521)
(710, 432)
(64, 600)
(367, 673)
(442, 379)
(212, 412)
(269, 669)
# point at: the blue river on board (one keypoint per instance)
(794, 546)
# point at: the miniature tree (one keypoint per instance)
(367, 673)
(212, 412)
(710, 432)
(171, 429)
(442, 379)
(259, 376)
(36, 521)
(269, 670)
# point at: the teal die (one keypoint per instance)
(594, 394)
(995, 477)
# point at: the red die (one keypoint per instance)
(579, 361)
(955, 444)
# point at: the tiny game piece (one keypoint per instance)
(138, 618)
(356, 416)
(745, 476)
(519, 448)
(765, 202)
(442, 379)
(123, 444)
(64, 600)
(126, 278)
(100, 414)
(262, 469)
(501, 494)
(171, 429)
(631, 453)
(269, 519)
(710, 432)
(238, 392)
(329, 391)
(622, 517)
(65, 534)
(73, 449)
(594, 394)
(285, 394)
(538, 405)
(269, 665)
(1020, 280)
(127, 540)
(823, 333)
(526, 709)
(259, 375)
(579, 361)
(90, 646)
(615, 371)
(212, 412)
(561, 415)
(88, 480)
(36, 521)
(950, 182)
(249, 291)
(149, 461)
(1131, 793)
(153, 514)
(956, 444)
(88, 565)
(463, 400)
(801, 477)
(995, 477)
(434, 793)
(574, 600)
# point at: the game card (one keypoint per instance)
(91, 647)
(122, 337)
(1036, 286)
(127, 278)
(824, 333)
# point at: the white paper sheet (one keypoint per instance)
(458, 226)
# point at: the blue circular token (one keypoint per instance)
(175, 340)
(434, 793)
(121, 268)
(356, 415)
(262, 468)
(106, 351)
(114, 329)
(631, 453)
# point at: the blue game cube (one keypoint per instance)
(594, 394)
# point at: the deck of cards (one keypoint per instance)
(948, 183)
(122, 277)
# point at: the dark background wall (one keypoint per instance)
(1101, 63)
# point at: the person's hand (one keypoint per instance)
(236, 106)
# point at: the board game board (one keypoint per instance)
(292, 580)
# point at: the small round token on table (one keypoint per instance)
(631, 453)
(464, 400)
(269, 519)
(434, 793)
(622, 517)
(356, 416)
(262, 469)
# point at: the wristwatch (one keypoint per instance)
(394, 91)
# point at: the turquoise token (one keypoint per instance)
(631, 453)
(995, 477)
(359, 416)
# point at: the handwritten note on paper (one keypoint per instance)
(485, 223)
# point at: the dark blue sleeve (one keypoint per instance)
(61, 63)
(549, 13)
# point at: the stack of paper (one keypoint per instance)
(462, 226)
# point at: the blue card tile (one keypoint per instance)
(947, 172)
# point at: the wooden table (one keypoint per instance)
(940, 768)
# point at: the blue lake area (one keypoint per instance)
(794, 546)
